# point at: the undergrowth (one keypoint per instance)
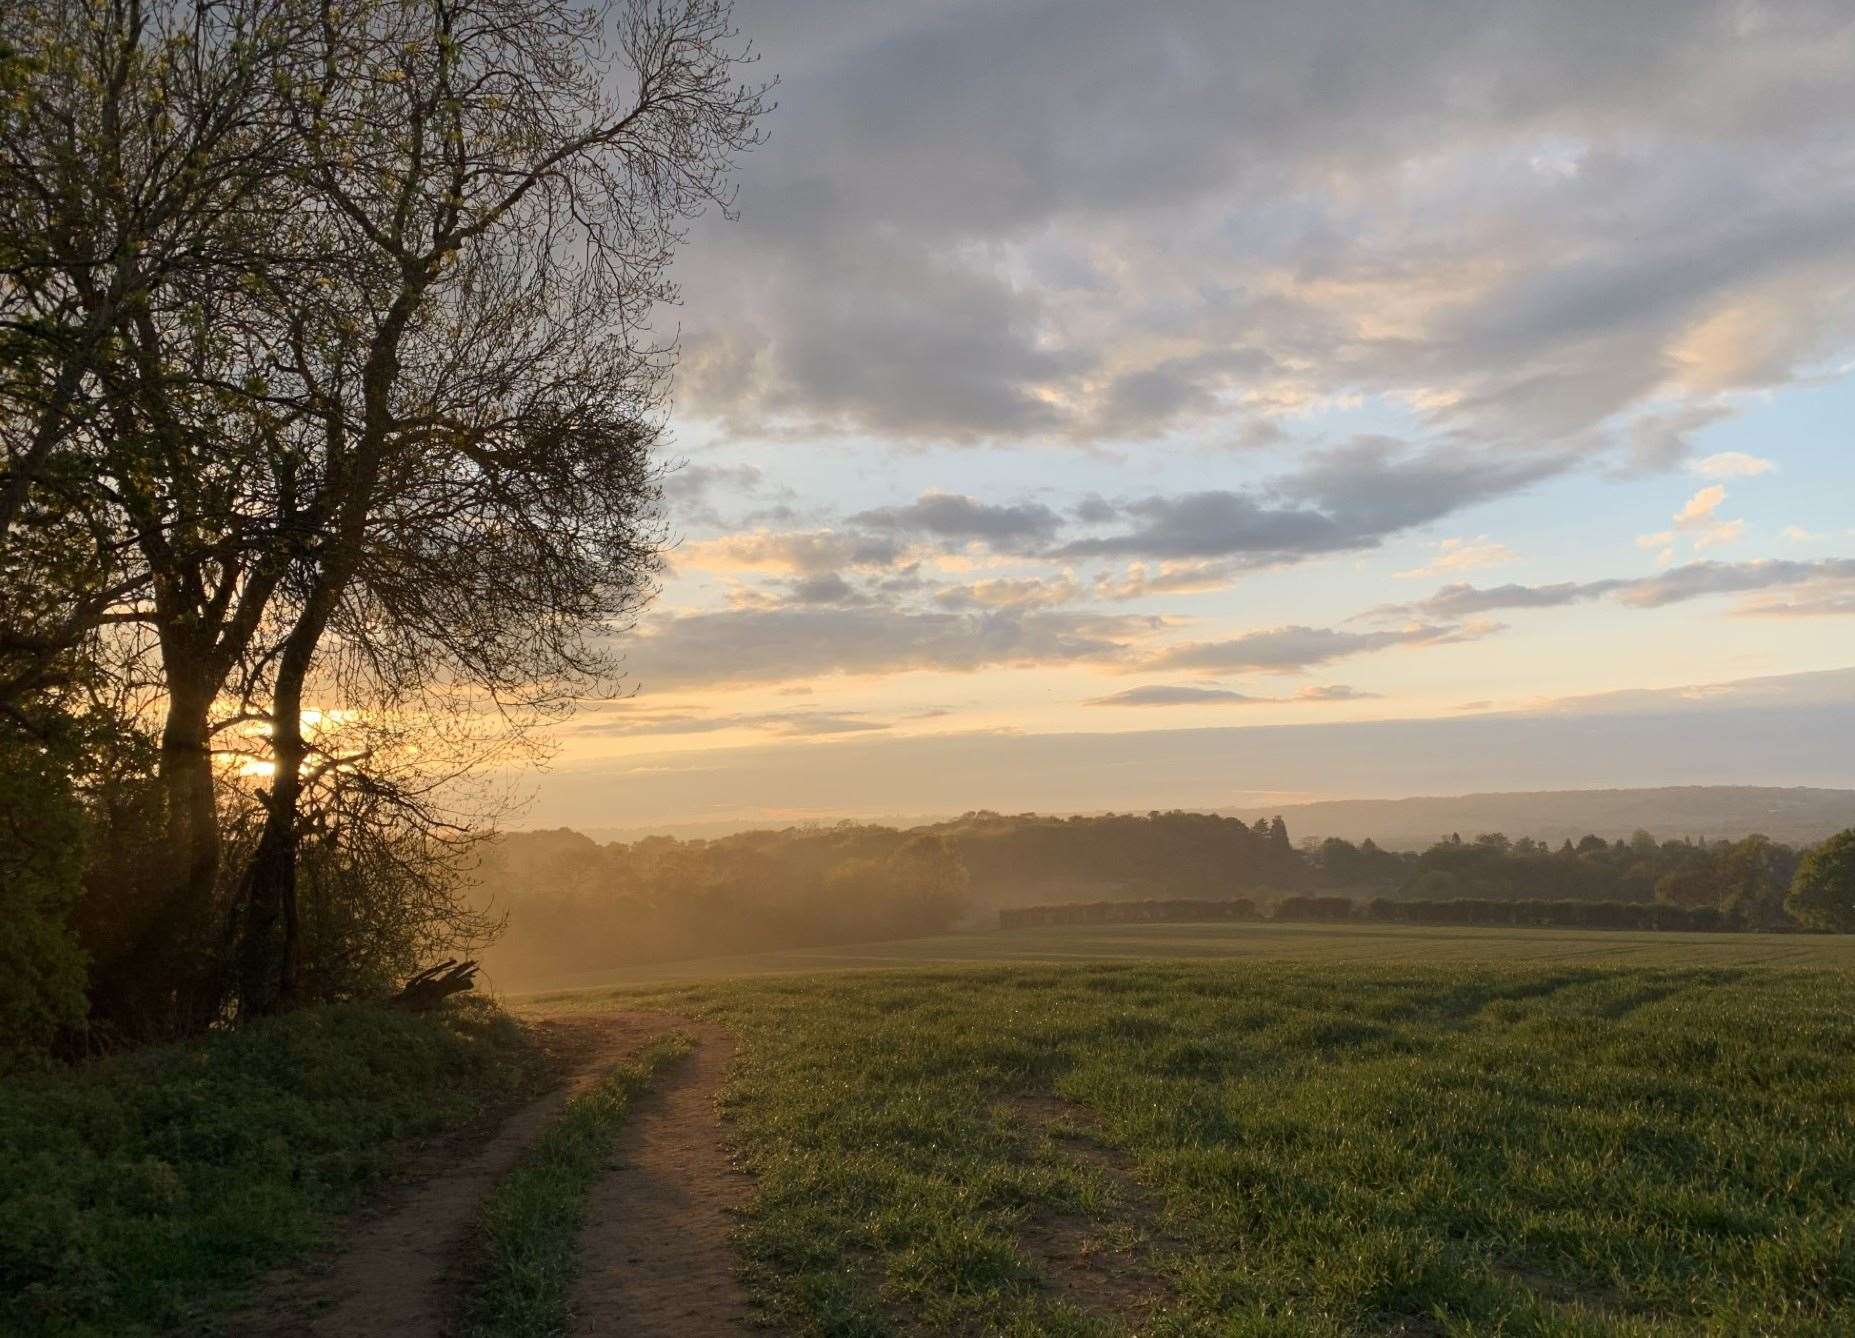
(143, 1193)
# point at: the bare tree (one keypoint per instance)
(507, 193)
(328, 367)
(142, 180)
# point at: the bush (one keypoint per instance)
(141, 1193)
(41, 875)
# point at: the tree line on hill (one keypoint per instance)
(572, 905)
(1302, 909)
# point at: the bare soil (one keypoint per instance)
(658, 1260)
(1112, 1271)
(396, 1275)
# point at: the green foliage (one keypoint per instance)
(41, 872)
(531, 1221)
(1823, 895)
(1298, 1150)
(141, 1193)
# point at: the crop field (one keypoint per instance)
(1477, 1132)
(1312, 943)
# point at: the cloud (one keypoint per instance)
(1294, 648)
(1004, 593)
(952, 516)
(1699, 519)
(1700, 507)
(690, 489)
(1139, 581)
(1695, 580)
(1526, 225)
(1335, 692)
(802, 552)
(791, 724)
(777, 645)
(1185, 694)
(1160, 694)
(1462, 600)
(1699, 579)
(826, 588)
(1342, 500)
(1463, 555)
(1732, 465)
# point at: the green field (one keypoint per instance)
(1269, 942)
(1323, 1131)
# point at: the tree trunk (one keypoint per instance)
(268, 953)
(179, 989)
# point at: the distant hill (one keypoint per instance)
(1796, 816)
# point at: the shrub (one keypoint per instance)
(41, 873)
(141, 1193)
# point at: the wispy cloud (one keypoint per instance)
(1185, 694)
(1455, 555)
(1732, 465)
(1695, 580)
(1294, 648)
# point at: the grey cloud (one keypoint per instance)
(1006, 593)
(1463, 600)
(1695, 580)
(1291, 649)
(1218, 524)
(1162, 694)
(1342, 500)
(1336, 692)
(693, 483)
(1828, 604)
(1184, 694)
(811, 553)
(691, 490)
(1008, 528)
(826, 588)
(922, 243)
(1375, 487)
(757, 645)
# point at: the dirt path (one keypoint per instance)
(657, 1255)
(394, 1276)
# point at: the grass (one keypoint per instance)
(1281, 1147)
(1264, 942)
(144, 1193)
(531, 1222)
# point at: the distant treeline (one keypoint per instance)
(574, 905)
(1127, 912)
(1386, 910)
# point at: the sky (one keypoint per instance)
(1102, 405)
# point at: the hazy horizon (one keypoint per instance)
(1785, 731)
